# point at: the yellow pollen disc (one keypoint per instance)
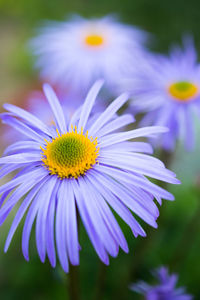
(183, 90)
(70, 154)
(94, 40)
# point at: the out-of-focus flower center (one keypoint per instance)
(70, 154)
(94, 40)
(183, 90)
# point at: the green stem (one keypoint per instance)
(74, 283)
(74, 286)
(101, 280)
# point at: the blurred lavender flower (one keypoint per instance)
(167, 89)
(165, 290)
(80, 165)
(73, 54)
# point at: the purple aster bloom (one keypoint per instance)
(82, 166)
(165, 290)
(168, 92)
(74, 53)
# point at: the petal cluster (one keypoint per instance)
(117, 180)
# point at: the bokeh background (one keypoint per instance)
(176, 242)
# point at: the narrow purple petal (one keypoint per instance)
(31, 119)
(118, 206)
(21, 211)
(137, 180)
(98, 245)
(108, 114)
(93, 212)
(88, 104)
(123, 136)
(50, 244)
(55, 107)
(61, 228)
(125, 196)
(20, 158)
(133, 166)
(21, 127)
(71, 225)
(109, 219)
(24, 145)
(25, 187)
(119, 122)
(41, 220)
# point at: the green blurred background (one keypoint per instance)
(176, 242)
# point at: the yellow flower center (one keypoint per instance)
(94, 40)
(183, 90)
(70, 154)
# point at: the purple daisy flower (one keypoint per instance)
(74, 53)
(165, 290)
(168, 91)
(80, 166)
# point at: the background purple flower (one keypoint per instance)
(167, 90)
(165, 290)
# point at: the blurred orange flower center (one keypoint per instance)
(94, 40)
(183, 90)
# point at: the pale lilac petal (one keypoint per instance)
(116, 124)
(6, 169)
(133, 166)
(137, 180)
(122, 193)
(30, 217)
(88, 104)
(55, 107)
(108, 114)
(131, 146)
(61, 228)
(123, 136)
(21, 211)
(93, 213)
(41, 223)
(118, 206)
(30, 118)
(50, 244)
(21, 191)
(24, 145)
(71, 225)
(21, 158)
(97, 243)
(21, 127)
(109, 219)
(189, 130)
(36, 173)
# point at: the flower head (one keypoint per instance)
(82, 166)
(165, 290)
(74, 53)
(168, 92)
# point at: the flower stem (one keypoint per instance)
(74, 283)
(74, 286)
(101, 280)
